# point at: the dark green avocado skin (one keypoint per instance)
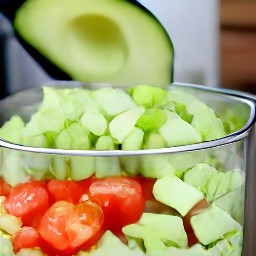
(9, 8)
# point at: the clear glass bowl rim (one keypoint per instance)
(240, 135)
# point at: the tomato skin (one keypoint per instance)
(199, 207)
(147, 185)
(28, 201)
(26, 237)
(67, 190)
(66, 226)
(121, 199)
(5, 188)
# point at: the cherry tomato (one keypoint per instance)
(121, 199)
(5, 188)
(66, 226)
(26, 237)
(147, 187)
(29, 201)
(66, 190)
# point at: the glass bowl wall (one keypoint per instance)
(232, 190)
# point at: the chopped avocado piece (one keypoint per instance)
(9, 223)
(113, 101)
(199, 175)
(71, 101)
(231, 203)
(152, 119)
(196, 250)
(106, 166)
(204, 119)
(133, 141)
(88, 43)
(175, 193)
(37, 165)
(94, 122)
(154, 140)
(156, 166)
(178, 132)
(124, 123)
(81, 167)
(156, 231)
(30, 252)
(13, 161)
(230, 245)
(149, 96)
(109, 245)
(74, 137)
(212, 224)
(213, 183)
(59, 167)
(12, 129)
(39, 141)
(6, 248)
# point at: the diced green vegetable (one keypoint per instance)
(133, 141)
(12, 129)
(175, 193)
(106, 166)
(59, 167)
(156, 166)
(9, 223)
(124, 123)
(157, 231)
(94, 122)
(178, 132)
(13, 161)
(204, 119)
(6, 248)
(109, 245)
(113, 101)
(197, 250)
(30, 252)
(152, 119)
(154, 140)
(81, 167)
(149, 96)
(212, 224)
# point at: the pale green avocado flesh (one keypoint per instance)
(99, 41)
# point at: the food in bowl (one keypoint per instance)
(94, 175)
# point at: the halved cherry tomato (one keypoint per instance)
(147, 187)
(5, 188)
(66, 190)
(121, 199)
(26, 237)
(66, 226)
(29, 201)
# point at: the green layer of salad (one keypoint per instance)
(143, 117)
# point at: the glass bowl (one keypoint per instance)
(215, 214)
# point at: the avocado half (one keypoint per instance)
(109, 41)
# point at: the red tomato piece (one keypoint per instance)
(29, 201)
(66, 226)
(147, 187)
(121, 199)
(66, 190)
(26, 237)
(5, 188)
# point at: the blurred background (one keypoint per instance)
(214, 41)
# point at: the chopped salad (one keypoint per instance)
(154, 205)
